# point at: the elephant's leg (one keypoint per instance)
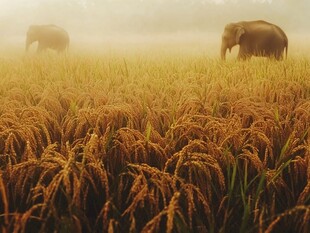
(243, 56)
(244, 53)
(41, 47)
(277, 55)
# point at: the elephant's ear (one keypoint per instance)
(240, 32)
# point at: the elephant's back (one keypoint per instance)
(275, 28)
(54, 37)
(58, 33)
(274, 32)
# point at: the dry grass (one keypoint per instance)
(154, 142)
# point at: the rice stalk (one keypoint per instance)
(301, 212)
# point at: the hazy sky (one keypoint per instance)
(165, 15)
(139, 17)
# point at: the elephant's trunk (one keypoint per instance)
(223, 51)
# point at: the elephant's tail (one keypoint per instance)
(286, 48)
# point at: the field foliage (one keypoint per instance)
(150, 142)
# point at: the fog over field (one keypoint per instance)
(102, 24)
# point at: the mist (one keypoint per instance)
(107, 23)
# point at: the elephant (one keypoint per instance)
(255, 38)
(48, 37)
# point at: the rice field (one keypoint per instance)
(154, 142)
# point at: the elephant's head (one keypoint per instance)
(33, 34)
(231, 36)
